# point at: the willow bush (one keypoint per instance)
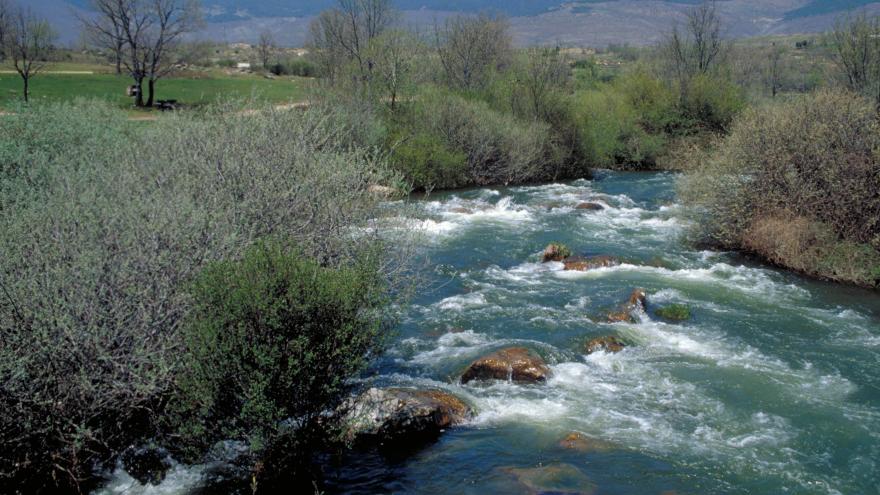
(105, 222)
(797, 182)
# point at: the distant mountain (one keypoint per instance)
(576, 22)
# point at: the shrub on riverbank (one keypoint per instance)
(797, 183)
(104, 224)
(269, 347)
(497, 148)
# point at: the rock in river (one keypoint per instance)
(583, 264)
(555, 252)
(627, 312)
(609, 343)
(582, 443)
(589, 207)
(517, 364)
(399, 414)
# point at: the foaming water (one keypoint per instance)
(769, 387)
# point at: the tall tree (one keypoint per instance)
(5, 13)
(266, 48)
(857, 45)
(151, 34)
(393, 54)
(343, 35)
(106, 29)
(698, 47)
(471, 48)
(28, 40)
(774, 68)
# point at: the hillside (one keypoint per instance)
(591, 22)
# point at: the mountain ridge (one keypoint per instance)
(571, 22)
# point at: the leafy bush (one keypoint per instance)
(611, 134)
(795, 181)
(499, 148)
(271, 344)
(712, 102)
(294, 67)
(100, 238)
(428, 163)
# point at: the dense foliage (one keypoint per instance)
(797, 183)
(270, 345)
(104, 226)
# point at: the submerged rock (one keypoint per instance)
(555, 252)
(609, 343)
(582, 443)
(589, 206)
(626, 313)
(148, 465)
(554, 478)
(591, 263)
(517, 364)
(462, 211)
(398, 414)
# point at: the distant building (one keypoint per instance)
(243, 66)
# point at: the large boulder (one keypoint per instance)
(608, 343)
(583, 264)
(148, 465)
(516, 364)
(555, 252)
(400, 414)
(627, 312)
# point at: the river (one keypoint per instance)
(771, 386)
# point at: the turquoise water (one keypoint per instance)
(770, 387)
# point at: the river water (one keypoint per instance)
(772, 386)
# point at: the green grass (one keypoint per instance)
(189, 91)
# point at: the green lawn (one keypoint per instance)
(190, 91)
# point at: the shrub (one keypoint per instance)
(271, 344)
(712, 102)
(796, 177)
(499, 148)
(611, 134)
(97, 253)
(294, 67)
(428, 163)
(651, 99)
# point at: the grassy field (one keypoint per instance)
(68, 81)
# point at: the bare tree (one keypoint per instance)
(106, 29)
(266, 48)
(28, 42)
(774, 69)
(5, 13)
(150, 33)
(696, 48)
(342, 35)
(471, 48)
(393, 55)
(857, 44)
(545, 70)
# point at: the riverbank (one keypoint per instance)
(755, 392)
